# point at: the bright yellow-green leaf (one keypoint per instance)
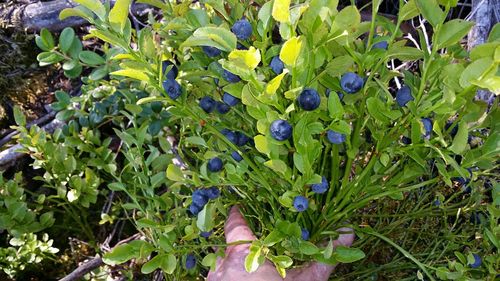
(123, 57)
(250, 57)
(119, 14)
(132, 73)
(262, 144)
(281, 10)
(290, 51)
(274, 84)
(277, 165)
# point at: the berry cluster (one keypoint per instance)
(200, 198)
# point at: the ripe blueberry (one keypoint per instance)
(427, 127)
(242, 29)
(281, 130)
(211, 51)
(172, 88)
(199, 198)
(206, 234)
(351, 82)
(230, 135)
(309, 99)
(222, 108)
(403, 96)
(381, 45)
(405, 140)
(215, 165)
(230, 99)
(207, 104)
(194, 209)
(190, 261)
(212, 192)
(236, 156)
(172, 74)
(305, 234)
(277, 65)
(242, 139)
(334, 137)
(230, 77)
(320, 187)
(300, 203)
(340, 94)
(477, 261)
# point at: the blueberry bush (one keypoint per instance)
(307, 117)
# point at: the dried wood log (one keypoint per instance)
(483, 15)
(35, 16)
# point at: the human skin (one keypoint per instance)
(232, 266)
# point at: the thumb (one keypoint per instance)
(316, 271)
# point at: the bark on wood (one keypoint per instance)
(83, 269)
(35, 16)
(10, 156)
(483, 16)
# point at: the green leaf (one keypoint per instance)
(152, 264)
(277, 165)
(347, 255)
(252, 260)
(308, 248)
(290, 51)
(66, 39)
(155, 3)
(132, 73)
(460, 141)
(19, 117)
(210, 260)
(474, 70)
(205, 221)
(272, 238)
(91, 58)
(217, 37)
(119, 255)
(95, 6)
(348, 19)
(494, 33)
(197, 141)
(431, 11)
(45, 41)
(335, 108)
(174, 173)
(404, 53)
(281, 10)
(408, 11)
(452, 31)
(119, 14)
(78, 11)
(168, 263)
(282, 261)
(339, 65)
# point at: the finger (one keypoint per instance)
(236, 228)
(316, 271)
(213, 275)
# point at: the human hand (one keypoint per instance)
(232, 266)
